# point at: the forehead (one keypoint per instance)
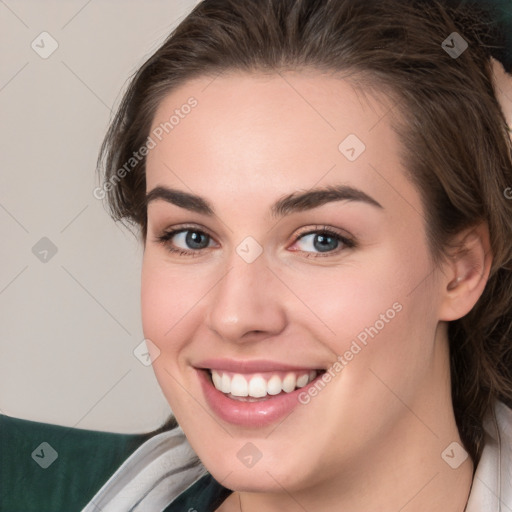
(274, 133)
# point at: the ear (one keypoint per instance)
(503, 90)
(466, 273)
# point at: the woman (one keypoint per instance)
(320, 188)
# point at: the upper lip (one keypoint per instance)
(250, 366)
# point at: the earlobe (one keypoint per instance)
(467, 273)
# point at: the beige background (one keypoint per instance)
(68, 326)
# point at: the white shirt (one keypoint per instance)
(492, 483)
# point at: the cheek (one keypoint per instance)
(165, 302)
(157, 305)
(373, 311)
(172, 306)
(387, 332)
(168, 299)
(164, 305)
(354, 296)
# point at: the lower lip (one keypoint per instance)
(250, 414)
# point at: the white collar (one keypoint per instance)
(153, 475)
(492, 484)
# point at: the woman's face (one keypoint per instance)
(264, 299)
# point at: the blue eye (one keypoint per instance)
(325, 241)
(320, 241)
(193, 239)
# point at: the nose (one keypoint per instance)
(246, 304)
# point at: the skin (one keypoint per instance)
(503, 87)
(373, 438)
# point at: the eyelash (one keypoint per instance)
(166, 236)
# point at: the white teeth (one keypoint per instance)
(302, 381)
(217, 380)
(274, 385)
(225, 386)
(239, 386)
(257, 386)
(289, 383)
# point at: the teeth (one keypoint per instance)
(274, 385)
(302, 381)
(260, 385)
(257, 387)
(289, 383)
(239, 386)
(217, 380)
(225, 386)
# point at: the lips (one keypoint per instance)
(253, 393)
(252, 366)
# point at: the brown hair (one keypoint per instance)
(456, 145)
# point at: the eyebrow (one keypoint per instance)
(295, 202)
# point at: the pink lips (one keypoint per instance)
(230, 365)
(248, 414)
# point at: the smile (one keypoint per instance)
(253, 394)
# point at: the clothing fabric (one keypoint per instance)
(492, 482)
(52, 468)
(153, 476)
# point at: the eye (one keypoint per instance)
(317, 242)
(323, 240)
(185, 241)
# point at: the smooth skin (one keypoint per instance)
(372, 439)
